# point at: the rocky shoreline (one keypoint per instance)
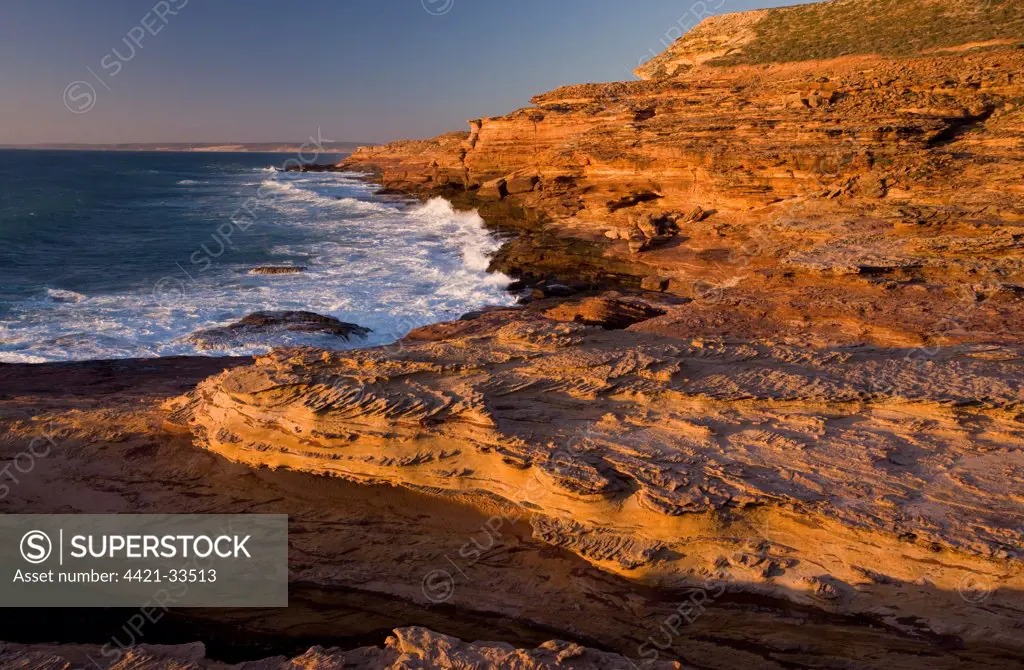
(118, 448)
(259, 325)
(408, 647)
(760, 407)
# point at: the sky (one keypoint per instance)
(277, 70)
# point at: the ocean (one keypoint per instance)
(123, 255)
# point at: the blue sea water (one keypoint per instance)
(116, 254)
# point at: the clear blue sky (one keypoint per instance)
(275, 70)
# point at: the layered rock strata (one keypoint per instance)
(880, 198)
(855, 480)
(366, 558)
(822, 406)
(797, 443)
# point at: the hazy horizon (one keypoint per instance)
(188, 71)
(158, 143)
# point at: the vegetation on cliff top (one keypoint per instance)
(839, 28)
(883, 27)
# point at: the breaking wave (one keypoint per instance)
(384, 263)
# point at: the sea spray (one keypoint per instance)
(467, 229)
(382, 262)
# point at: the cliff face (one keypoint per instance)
(789, 207)
(802, 400)
(884, 194)
(848, 173)
(795, 182)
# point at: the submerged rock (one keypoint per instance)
(311, 167)
(263, 324)
(278, 270)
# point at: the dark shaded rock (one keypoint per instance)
(473, 316)
(1012, 290)
(278, 270)
(259, 324)
(632, 200)
(654, 284)
(604, 312)
(311, 167)
(554, 290)
(493, 190)
(301, 321)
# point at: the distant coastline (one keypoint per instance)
(224, 147)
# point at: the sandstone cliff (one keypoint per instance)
(879, 197)
(782, 428)
(821, 177)
(826, 397)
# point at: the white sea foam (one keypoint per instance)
(14, 357)
(63, 295)
(464, 228)
(387, 265)
(292, 195)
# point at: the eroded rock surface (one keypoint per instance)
(407, 648)
(772, 467)
(260, 326)
(823, 404)
(802, 450)
(367, 558)
(859, 199)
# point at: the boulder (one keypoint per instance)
(644, 221)
(260, 326)
(694, 215)
(659, 284)
(496, 189)
(638, 242)
(277, 270)
(299, 320)
(820, 97)
(515, 184)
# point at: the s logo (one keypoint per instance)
(36, 546)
